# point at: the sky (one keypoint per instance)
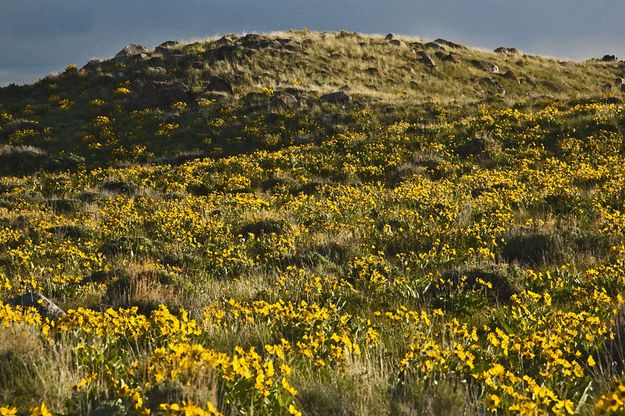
(38, 37)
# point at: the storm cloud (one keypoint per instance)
(38, 37)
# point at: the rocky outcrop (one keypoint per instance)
(338, 97)
(131, 50)
(44, 306)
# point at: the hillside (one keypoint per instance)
(314, 223)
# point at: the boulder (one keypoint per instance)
(434, 45)
(223, 41)
(494, 84)
(373, 71)
(450, 44)
(529, 79)
(44, 306)
(130, 51)
(487, 66)
(609, 58)
(510, 74)
(338, 97)
(426, 59)
(163, 94)
(285, 101)
(219, 84)
(506, 50)
(398, 43)
(453, 57)
(388, 36)
(620, 80)
(622, 87)
(166, 47)
(289, 44)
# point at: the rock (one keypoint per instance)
(609, 58)
(487, 66)
(397, 42)
(166, 48)
(434, 45)
(426, 59)
(388, 37)
(449, 44)
(92, 65)
(622, 87)
(506, 50)
(338, 97)
(453, 57)
(251, 37)
(163, 94)
(130, 51)
(620, 80)
(285, 101)
(492, 83)
(373, 71)
(345, 88)
(223, 41)
(219, 84)
(289, 44)
(530, 80)
(44, 306)
(511, 75)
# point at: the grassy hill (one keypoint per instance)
(314, 223)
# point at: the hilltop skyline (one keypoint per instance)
(36, 39)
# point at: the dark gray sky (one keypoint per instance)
(41, 36)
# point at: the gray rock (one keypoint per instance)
(494, 84)
(167, 48)
(373, 71)
(223, 41)
(44, 306)
(130, 51)
(426, 59)
(398, 43)
(289, 44)
(510, 74)
(487, 66)
(529, 79)
(338, 97)
(609, 58)
(163, 94)
(285, 101)
(506, 50)
(219, 84)
(453, 57)
(448, 43)
(388, 36)
(434, 45)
